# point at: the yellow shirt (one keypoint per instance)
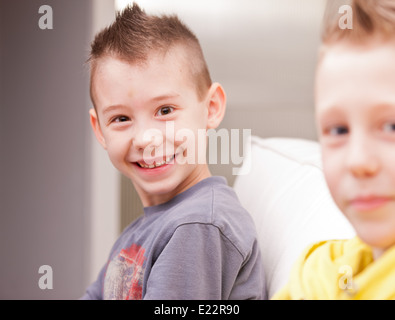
(341, 269)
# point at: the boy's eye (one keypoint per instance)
(337, 130)
(120, 119)
(163, 111)
(389, 127)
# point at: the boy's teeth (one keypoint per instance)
(151, 166)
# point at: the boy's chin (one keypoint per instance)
(163, 185)
(154, 195)
(376, 235)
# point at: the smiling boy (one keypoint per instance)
(194, 241)
(355, 112)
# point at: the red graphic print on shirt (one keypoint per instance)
(124, 275)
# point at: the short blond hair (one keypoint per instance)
(370, 18)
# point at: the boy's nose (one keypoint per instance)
(146, 137)
(362, 158)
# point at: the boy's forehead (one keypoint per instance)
(368, 50)
(346, 60)
(349, 72)
(112, 63)
(173, 62)
(160, 71)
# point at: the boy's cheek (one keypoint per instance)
(117, 151)
(332, 177)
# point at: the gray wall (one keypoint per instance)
(44, 149)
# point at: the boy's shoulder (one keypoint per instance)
(213, 202)
(334, 248)
(210, 201)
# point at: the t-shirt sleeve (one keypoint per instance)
(92, 292)
(198, 262)
(95, 290)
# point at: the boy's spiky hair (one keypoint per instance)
(134, 35)
(370, 18)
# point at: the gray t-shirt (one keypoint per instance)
(199, 245)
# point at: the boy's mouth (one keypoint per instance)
(368, 203)
(155, 163)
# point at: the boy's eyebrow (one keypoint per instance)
(111, 108)
(329, 111)
(336, 110)
(165, 97)
(386, 106)
(155, 99)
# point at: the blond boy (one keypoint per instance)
(355, 113)
(149, 81)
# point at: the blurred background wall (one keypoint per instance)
(62, 204)
(45, 149)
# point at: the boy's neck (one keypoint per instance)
(377, 253)
(200, 173)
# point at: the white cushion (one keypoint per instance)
(286, 194)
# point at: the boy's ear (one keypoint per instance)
(96, 127)
(216, 105)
